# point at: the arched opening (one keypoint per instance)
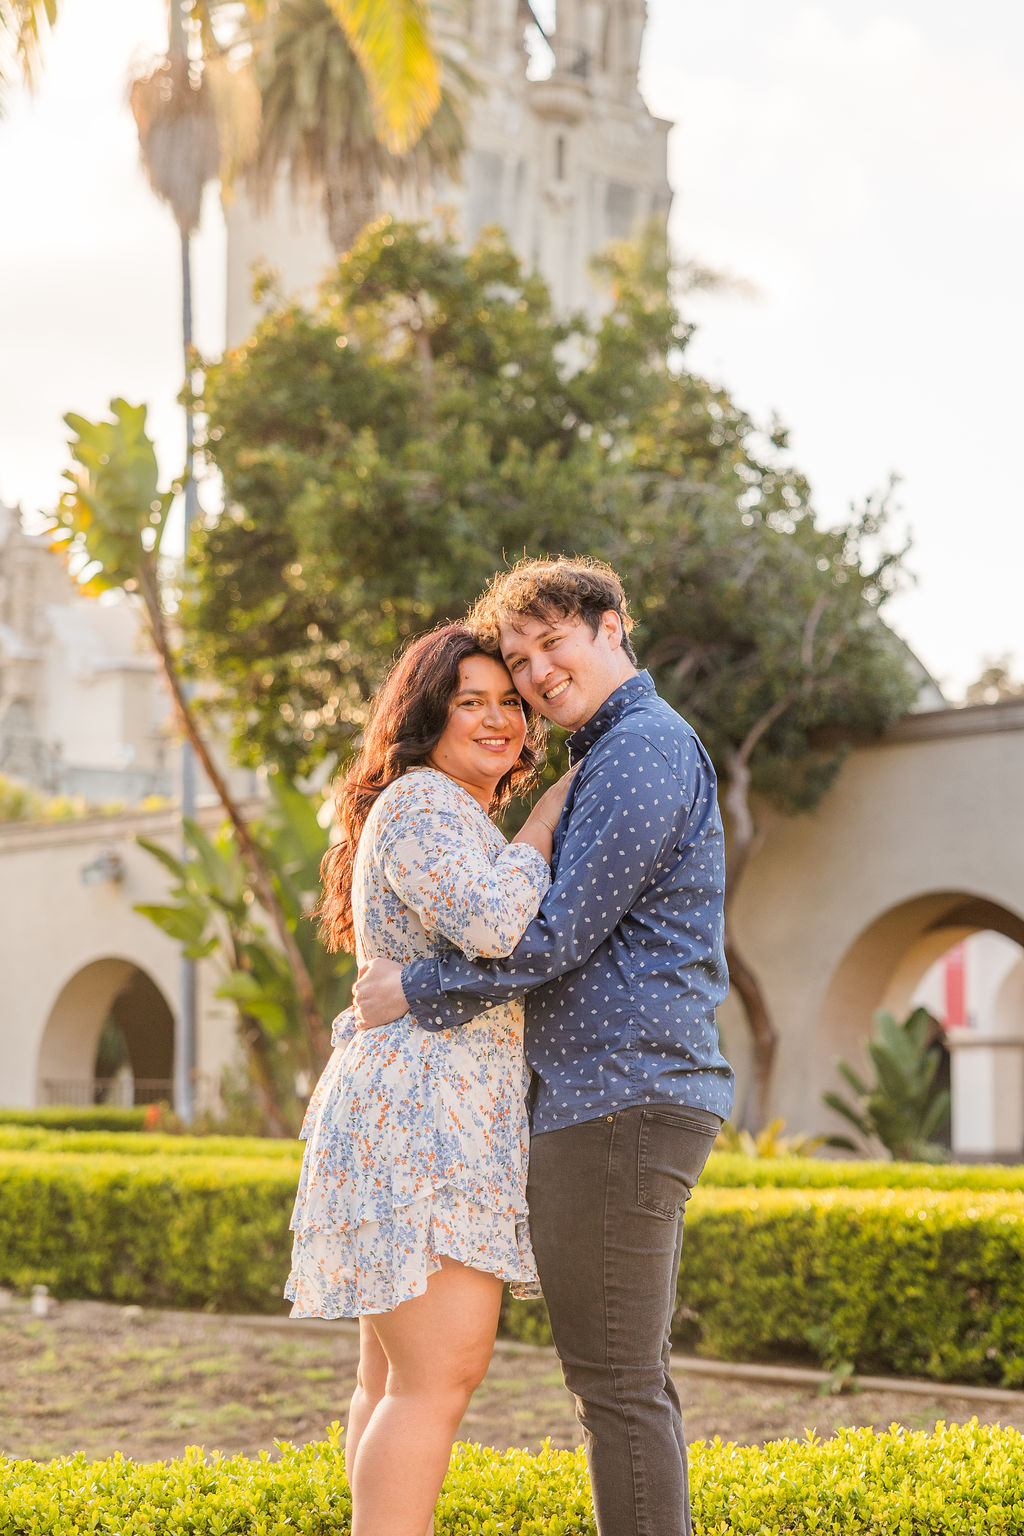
(109, 1039)
(907, 958)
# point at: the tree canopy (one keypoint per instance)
(428, 419)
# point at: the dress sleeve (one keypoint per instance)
(434, 855)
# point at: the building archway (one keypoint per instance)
(118, 995)
(884, 968)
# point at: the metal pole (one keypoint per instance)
(185, 1043)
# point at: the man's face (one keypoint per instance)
(563, 670)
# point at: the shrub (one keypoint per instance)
(963, 1480)
(88, 1117)
(21, 1138)
(905, 1108)
(729, 1170)
(768, 1142)
(907, 1281)
(189, 1231)
(916, 1282)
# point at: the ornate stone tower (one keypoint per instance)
(563, 154)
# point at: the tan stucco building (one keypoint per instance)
(82, 708)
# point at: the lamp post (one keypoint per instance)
(185, 1032)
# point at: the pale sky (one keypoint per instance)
(862, 167)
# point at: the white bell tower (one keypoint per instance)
(562, 154)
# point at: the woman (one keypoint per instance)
(411, 1211)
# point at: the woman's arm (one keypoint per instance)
(539, 827)
(435, 857)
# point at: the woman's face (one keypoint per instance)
(485, 731)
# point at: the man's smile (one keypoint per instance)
(557, 691)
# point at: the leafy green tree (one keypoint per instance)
(905, 1108)
(429, 418)
(381, 453)
(109, 523)
(215, 913)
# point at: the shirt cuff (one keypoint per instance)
(421, 983)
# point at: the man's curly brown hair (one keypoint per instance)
(550, 590)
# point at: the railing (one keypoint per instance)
(572, 59)
(122, 1092)
(555, 59)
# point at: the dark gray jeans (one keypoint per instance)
(606, 1215)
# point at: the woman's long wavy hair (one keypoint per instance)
(407, 720)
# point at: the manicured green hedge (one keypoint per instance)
(960, 1481)
(18, 1138)
(731, 1170)
(90, 1117)
(187, 1232)
(916, 1282)
(911, 1281)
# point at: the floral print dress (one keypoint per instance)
(417, 1142)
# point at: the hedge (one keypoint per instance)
(963, 1480)
(732, 1170)
(916, 1282)
(20, 1138)
(912, 1282)
(91, 1117)
(725, 1170)
(189, 1231)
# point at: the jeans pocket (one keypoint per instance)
(671, 1154)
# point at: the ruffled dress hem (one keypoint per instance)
(374, 1266)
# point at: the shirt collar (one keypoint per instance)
(612, 710)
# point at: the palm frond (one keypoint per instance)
(392, 41)
(176, 118)
(318, 117)
(23, 24)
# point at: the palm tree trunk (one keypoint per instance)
(352, 200)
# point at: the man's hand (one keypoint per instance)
(377, 996)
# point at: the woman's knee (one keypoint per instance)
(452, 1380)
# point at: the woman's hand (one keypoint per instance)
(539, 827)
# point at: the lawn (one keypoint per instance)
(99, 1379)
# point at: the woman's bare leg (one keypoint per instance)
(438, 1347)
(371, 1380)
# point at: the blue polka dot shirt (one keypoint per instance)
(624, 965)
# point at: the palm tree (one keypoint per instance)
(22, 24)
(194, 115)
(319, 120)
(391, 40)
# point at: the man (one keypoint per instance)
(621, 970)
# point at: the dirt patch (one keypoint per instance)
(100, 1379)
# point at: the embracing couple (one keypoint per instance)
(592, 942)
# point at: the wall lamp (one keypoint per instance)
(107, 865)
